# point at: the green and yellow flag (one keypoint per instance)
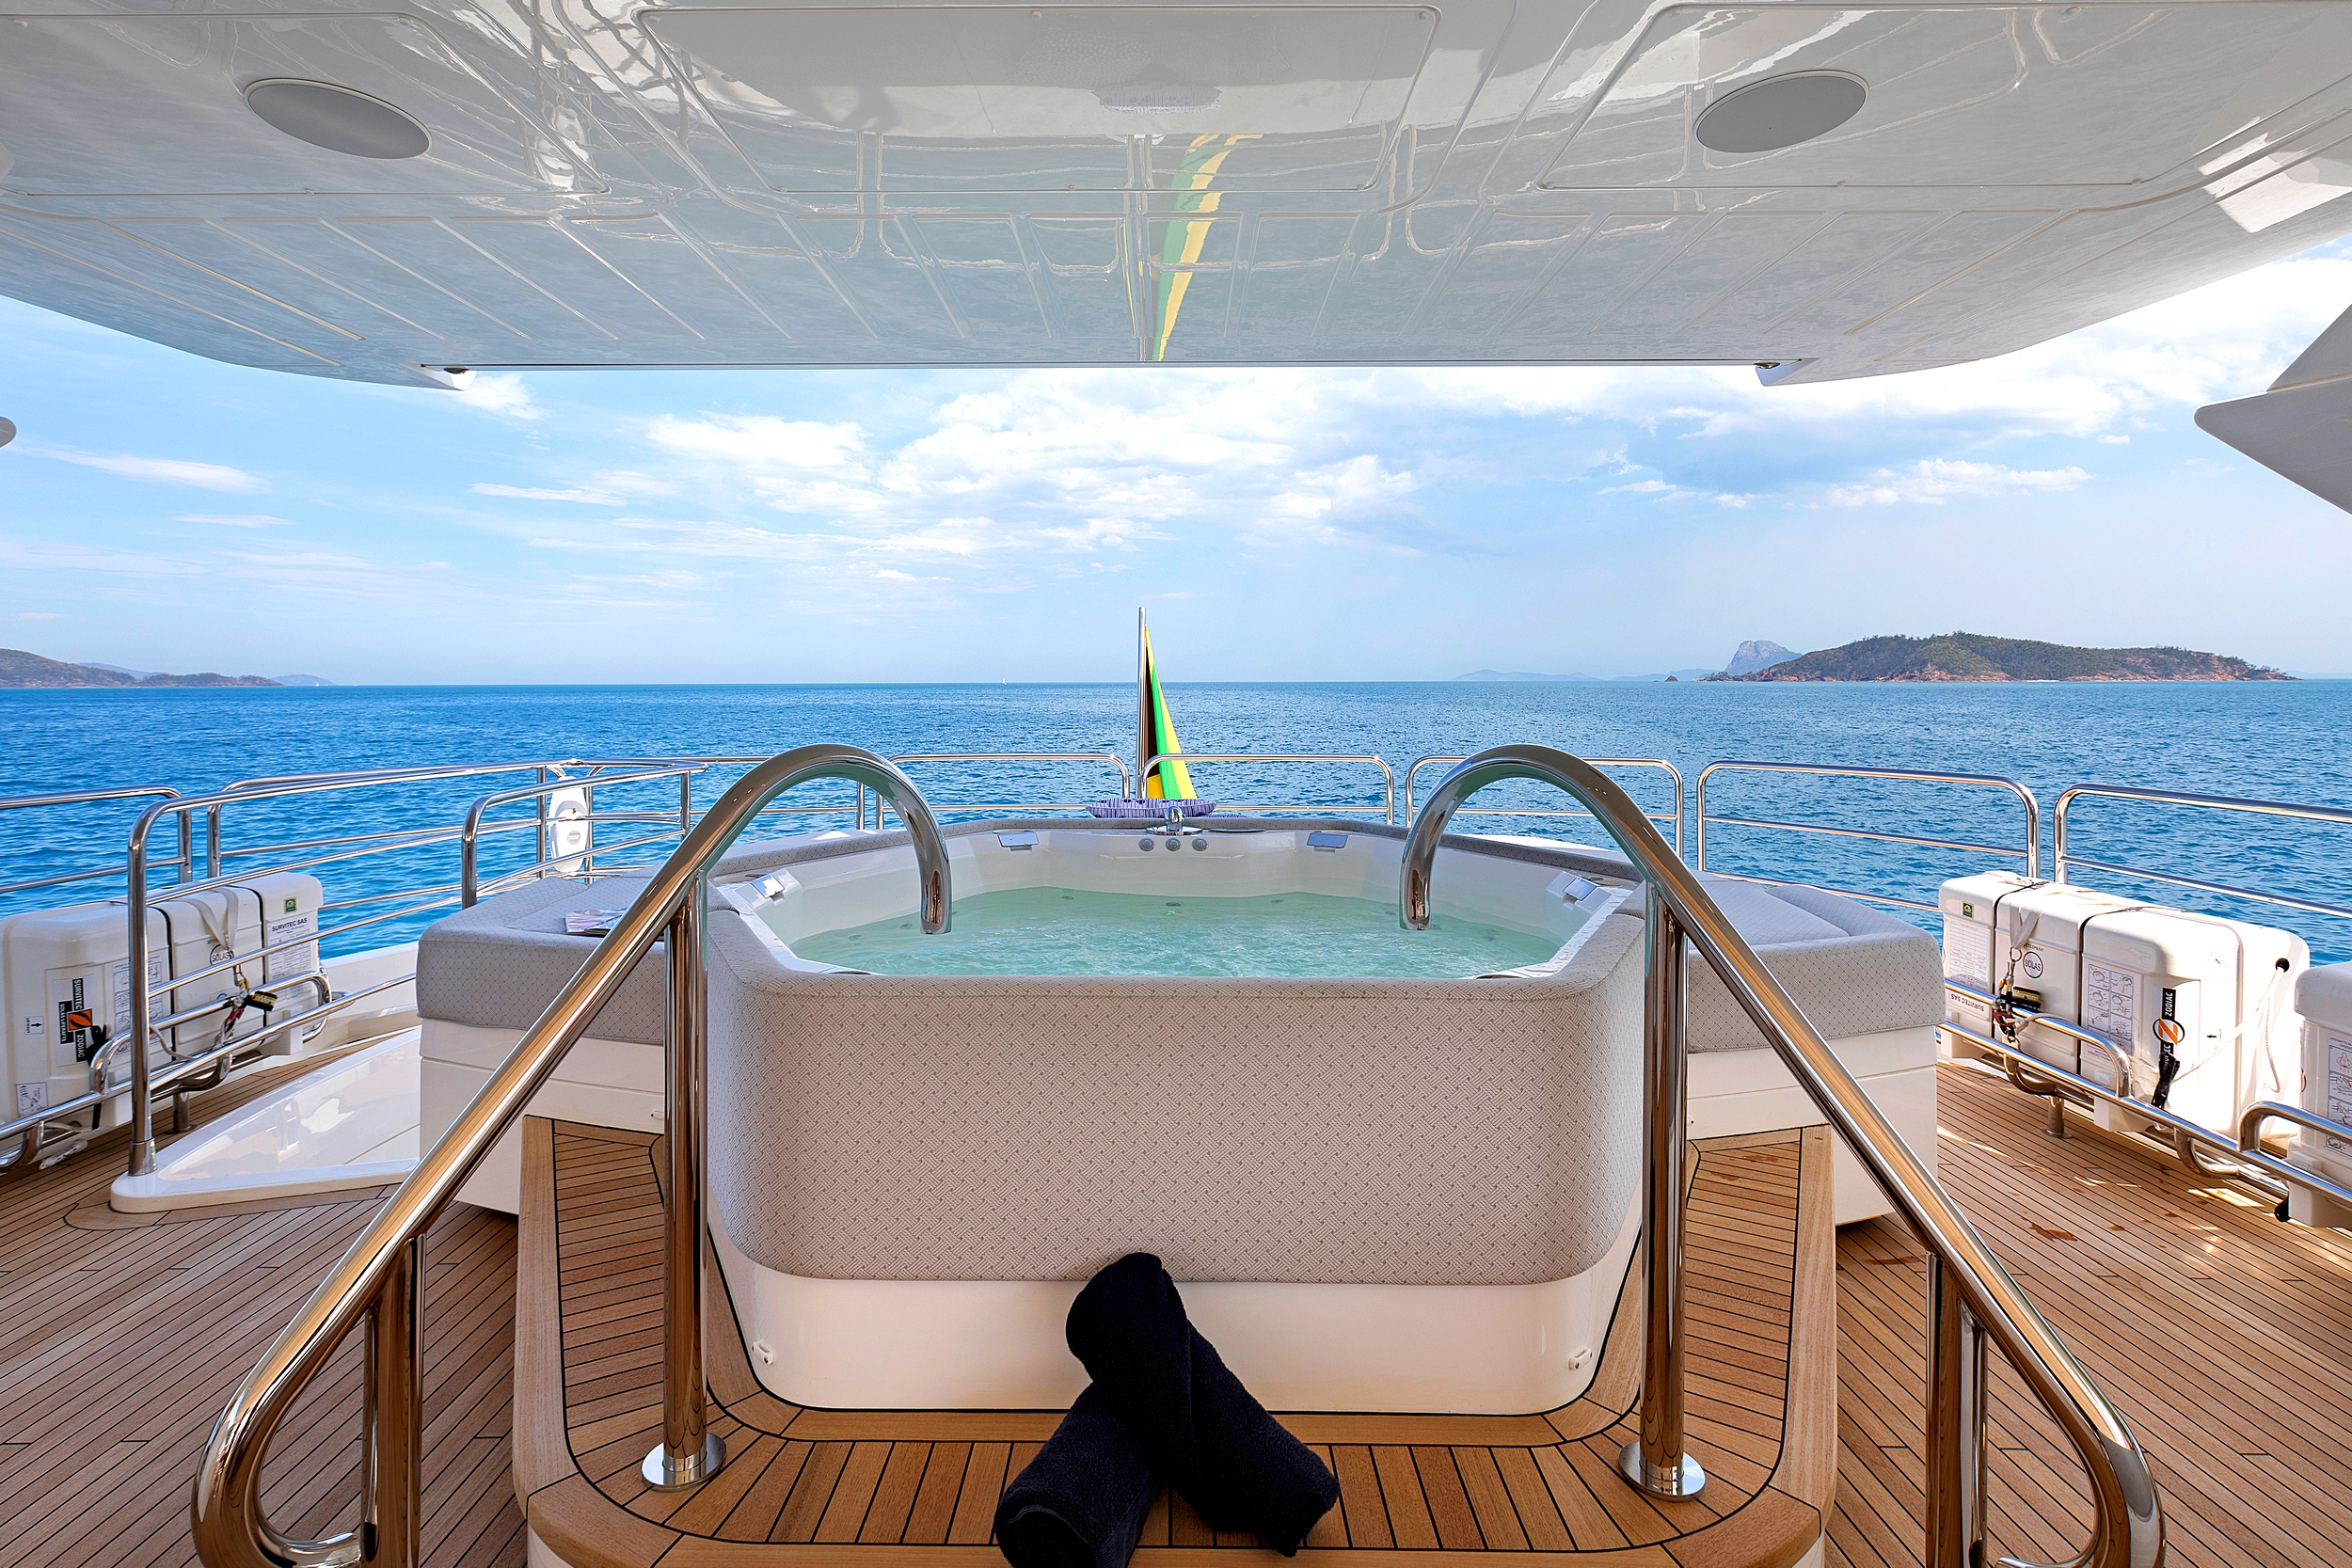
(1155, 732)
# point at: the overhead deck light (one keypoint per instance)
(7, 432)
(1781, 111)
(341, 119)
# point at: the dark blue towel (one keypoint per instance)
(1080, 1503)
(1204, 1433)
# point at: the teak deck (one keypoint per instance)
(2225, 1336)
(805, 1485)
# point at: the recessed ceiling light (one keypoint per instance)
(338, 118)
(1764, 117)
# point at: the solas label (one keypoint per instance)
(2338, 1090)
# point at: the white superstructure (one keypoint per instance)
(402, 195)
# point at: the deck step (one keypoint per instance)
(917, 1489)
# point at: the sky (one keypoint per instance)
(161, 511)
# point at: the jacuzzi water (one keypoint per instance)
(1051, 930)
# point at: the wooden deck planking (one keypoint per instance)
(121, 1337)
(898, 1479)
(2193, 1310)
(2224, 1337)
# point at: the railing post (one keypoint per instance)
(1657, 1463)
(1956, 1390)
(689, 1453)
(142, 1160)
(391, 1422)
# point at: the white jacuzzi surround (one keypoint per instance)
(924, 1342)
(1230, 861)
(895, 1344)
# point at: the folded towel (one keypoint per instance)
(1207, 1436)
(1080, 1503)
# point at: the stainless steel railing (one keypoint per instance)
(2030, 853)
(1972, 1299)
(86, 797)
(43, 1131)
(2063, 861)
(1387, 776)
(379, 1280)
(1675, 819)
(145, 1031)
(2244, 1158)
(469, 837)
(1109, 759)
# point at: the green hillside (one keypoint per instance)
(21, 669)
(1966, 657)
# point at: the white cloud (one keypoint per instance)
(506, 396)
(237, 519)
(1939, 480)
(519, 492)
(165, 470)
(1059, 473)
(761, 445)
(613, 488)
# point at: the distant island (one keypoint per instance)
(21, 669)
(1966, 657)
(1757, 653)
(1529, 675)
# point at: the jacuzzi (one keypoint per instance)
(1383, 1191)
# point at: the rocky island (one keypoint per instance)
(21, 669)
(1962, 656)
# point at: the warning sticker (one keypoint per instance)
(2339, 1091)
(1968, 951)
(31, 1097)
(119, 982)
(294, 960)
(2110, 998)
(69, 1016)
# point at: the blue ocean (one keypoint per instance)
(2267, 741)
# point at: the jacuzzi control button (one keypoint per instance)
(1143, 844)
(1197, 844)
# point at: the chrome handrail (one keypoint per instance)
(1387, 774)
(1127, 783)
(2061, 861)
(1669, 768)
(380, 1277)
(84, 797)
(469, 835)
(142, 1026)
(2030, 854)
(1970, 1295)
(2255, 1168)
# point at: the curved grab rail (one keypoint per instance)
(1970, 1295)
(380, 1278)
(1659, 763)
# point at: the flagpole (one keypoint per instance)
(1143, 701)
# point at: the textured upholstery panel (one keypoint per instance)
(1874, 972)
(1410, 1133)
(1765, 918)
(498, 964)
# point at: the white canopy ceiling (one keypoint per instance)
(612, 184)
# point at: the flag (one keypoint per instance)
(1155, 732)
